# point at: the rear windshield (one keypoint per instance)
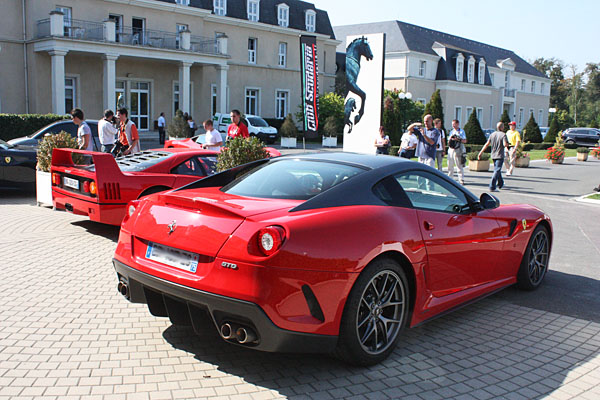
(291, 179)
(256, 121)
(138, 161)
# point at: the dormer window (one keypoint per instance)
(481, 74)
(283, 15)
(471, 70)
(220, 7)
(311, 20)
(460, 62)
(253, 10)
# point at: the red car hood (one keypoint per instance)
(199, 220)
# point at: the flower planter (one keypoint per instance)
(288, 142)
(522, 162)
(43, 188)
(559, 161)
(479, 165)
(582, 156)
(329, 141)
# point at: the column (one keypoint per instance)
(57, 23)
(222, 87)
(110, 30)
(186, 39)
(184, 86)
(109, 62)
(58, 81)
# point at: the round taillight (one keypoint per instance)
(86, 186)
(130, 209)
(93, 188)
(270, 239)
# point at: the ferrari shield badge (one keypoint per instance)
(524, 221)
(7, 160)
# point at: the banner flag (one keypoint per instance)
(309, 75)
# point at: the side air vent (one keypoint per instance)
(512, 227)
(313, 303)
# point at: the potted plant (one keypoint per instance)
(179, 127)
(288, 132)
(582, 153)
(43, 177)
(478, 165)
(556, 153)
(331, 129)
(523, 159)
(595, 152)
(240, 151)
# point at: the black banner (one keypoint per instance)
(309, 72)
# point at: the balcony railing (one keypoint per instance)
(509, 92)
(97, 31)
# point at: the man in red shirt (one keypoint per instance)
(237, 128)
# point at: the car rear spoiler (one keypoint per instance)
(102, 161)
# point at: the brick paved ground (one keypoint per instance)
(65, 333)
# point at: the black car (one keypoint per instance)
(582, 136)
(17, 166)
(55, 127)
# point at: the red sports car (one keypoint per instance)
(324, 252)
(103, 189)
(196, 142)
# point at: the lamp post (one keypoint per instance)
(404, 96)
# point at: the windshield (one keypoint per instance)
(257, 121)
(291, 179)
(138, 161)
(4, 145)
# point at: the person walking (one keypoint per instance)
(499, 143)
(237, 128)
(213, 139)
(441, 144)
(382, 143)
(456, 140)
(162, 124)
(84, 133)
(128, 133)
(408, 142)
(514, 139)
(428, 138)
(107, 131)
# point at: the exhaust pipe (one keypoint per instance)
(123, 289)
(245, 335)
(227, 331)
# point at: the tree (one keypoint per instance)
(553, 69)
(473, 129)
(288, 128)
(333, 126)
(178, 126)
(552, 131)
(240, 151)
(531, 132)
(505, 119)
(435, 107)
(398, 113)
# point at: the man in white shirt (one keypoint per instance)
(213, 139)
(456, 140)
(408, 142)
(440, 149)
(161, 128)
(107, 131)
(84, 133)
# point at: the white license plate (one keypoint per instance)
(70, 182)
(181, 259)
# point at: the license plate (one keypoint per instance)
(181, 259)
(72, 183)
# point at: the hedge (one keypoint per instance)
(17, 125)
(274, 122)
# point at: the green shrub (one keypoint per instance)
(476, 147)
(553, 131)
(394, 150)
(275, 122)
(540, 146)
(288, 128)
(17, 125)
(333, 127)
(582, 150)
(474, 156)
(178, 127)
(505, 119)
(57, 141)
(531, 132)
(241, 151)
(473, 130)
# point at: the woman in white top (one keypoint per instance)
(213, 139)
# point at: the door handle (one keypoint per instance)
(428, 225)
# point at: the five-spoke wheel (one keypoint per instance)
(535, 260)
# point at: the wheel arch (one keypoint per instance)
(546, 225)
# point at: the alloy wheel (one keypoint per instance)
(538, 257)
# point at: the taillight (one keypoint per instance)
(93, 188)
(56, 179)
(131, 207)
(86, 186)
(270, 239)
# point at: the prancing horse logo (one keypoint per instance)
(172, 226)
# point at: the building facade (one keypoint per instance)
(470, 75)
(153, 56)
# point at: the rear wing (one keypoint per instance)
(104, 163)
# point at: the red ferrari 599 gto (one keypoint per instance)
(324, 252)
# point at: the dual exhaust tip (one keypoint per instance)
(241, 334)
(123, 289)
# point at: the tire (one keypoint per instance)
(152, 190)
(366, 315)
(535, 260)
(569, 141)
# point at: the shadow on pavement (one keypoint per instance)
(488, 350)
(110, 232)
(8, 196)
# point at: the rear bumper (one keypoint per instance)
(183, 304)
(104, 213)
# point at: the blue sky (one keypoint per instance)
(567, 30)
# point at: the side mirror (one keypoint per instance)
(488, 201)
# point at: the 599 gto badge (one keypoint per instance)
(229, 265)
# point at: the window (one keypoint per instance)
(458, 113)
(282, 57)
(213, 99)
(67, 18)
(460, 62)
(522, 85)
(253, 10)
(310, 20)
(220, 7)
(540, 117)
(430, 192)
(506, 80)
(70, 94)
(281, 103)
(492, 117)
(118, 19)
(176, 96)
(120, 99)
(469, 112)
(252, 50)
(481, 74)
(138, 27)
(479, 114)
(283, 15)
(422, 67)
(532, 86)
(422, 101)
(180, 28)
(252, 96)
(531, 112)
(183, 2)
(471, 70)
(520, 117)
(492, 78)
(542, 87)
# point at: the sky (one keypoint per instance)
(566, 30)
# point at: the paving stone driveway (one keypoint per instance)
(65, 333)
